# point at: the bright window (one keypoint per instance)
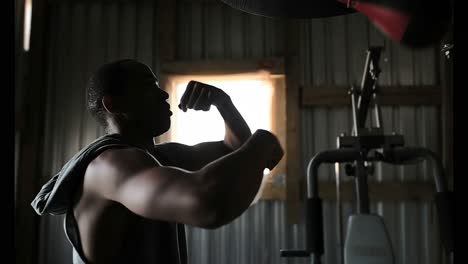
(259, 97)
(251, 97)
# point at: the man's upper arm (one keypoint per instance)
(193, 157)
(131, 177)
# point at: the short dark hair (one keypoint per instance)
(109, 79)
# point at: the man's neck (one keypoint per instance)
(137, 138)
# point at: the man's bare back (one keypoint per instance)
(127, 237)
(110, 233)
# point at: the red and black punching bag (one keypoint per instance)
(414, 23)
(291, 8)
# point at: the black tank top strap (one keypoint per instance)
(73, 235)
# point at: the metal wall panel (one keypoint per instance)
(332, 52)
(211, 30)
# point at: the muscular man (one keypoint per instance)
(126, 200)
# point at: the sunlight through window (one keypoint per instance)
(251, 97)
(252, 94)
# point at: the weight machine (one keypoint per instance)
(367, 240)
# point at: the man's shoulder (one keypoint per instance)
(113, 167)
(171, 147)
(119, 162)
(121, 156)
(171, 144)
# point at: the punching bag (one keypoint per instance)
(413, 23)
(291, 8)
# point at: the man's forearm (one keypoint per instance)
(237, 130)
(233, 180)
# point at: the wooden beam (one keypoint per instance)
(214, 67)
(388, 95)
(293, 120)
(274, 186)
(273, 193)
(381, 191)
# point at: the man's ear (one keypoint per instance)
(108, 104)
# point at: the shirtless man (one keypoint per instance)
(132, 202)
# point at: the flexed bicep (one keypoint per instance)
(193, 157)
(132, 178)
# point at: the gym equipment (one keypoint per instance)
(414, 23)
(367, 240)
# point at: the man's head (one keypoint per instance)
(126, 93)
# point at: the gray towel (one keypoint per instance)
(56, 196)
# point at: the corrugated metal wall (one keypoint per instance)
(332, 52)
(212, 30)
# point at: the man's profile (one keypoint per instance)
(126, 199)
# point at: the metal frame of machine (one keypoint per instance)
(358, 151)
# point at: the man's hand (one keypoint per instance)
(200, 96)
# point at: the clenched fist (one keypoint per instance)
(200, 96)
